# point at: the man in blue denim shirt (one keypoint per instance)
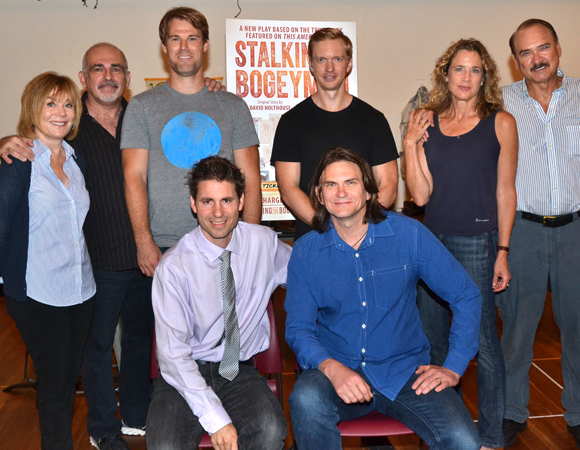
(353, 321)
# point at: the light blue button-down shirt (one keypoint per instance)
(359, 306)
(58, 271)
(548, 176)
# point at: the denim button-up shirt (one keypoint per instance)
(359, 306)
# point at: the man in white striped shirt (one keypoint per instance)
(546, 233)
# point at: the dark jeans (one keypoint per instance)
(254, 409)
(55, 338)
(477, 255)
(127, 292)
(439, 418)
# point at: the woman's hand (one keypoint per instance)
(419, 121)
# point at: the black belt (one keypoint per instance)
(201, 362)
(551, 221)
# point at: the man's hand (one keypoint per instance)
(348, 384)
(225, 438)
(434, 377)
(16, 147)
(214, 85)
(148, 256)
(501, 273)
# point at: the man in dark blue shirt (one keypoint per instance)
(353, 321)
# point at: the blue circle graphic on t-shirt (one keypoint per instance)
(189, 137)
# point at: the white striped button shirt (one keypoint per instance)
(548, 175)
(58, 270)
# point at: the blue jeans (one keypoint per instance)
(255, 411)
(439, 418)
(127, 292)
(538, 253)
(477, 254)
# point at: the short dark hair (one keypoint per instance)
(218, 169)
(374, 211)
(329, 34)
(193, 16)
(528, 24)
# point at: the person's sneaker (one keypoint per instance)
(511, 429)
(575, 431)
(115, 442)
(132, 431)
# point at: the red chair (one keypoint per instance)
(269, 362)
(374, 424)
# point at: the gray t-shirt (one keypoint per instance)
(179, 130)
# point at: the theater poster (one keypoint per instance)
(267, 65)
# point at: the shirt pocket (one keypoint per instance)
(389, 286)
(573, 135)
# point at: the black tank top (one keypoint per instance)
(464, 170)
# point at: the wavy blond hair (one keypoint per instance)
(489, 98)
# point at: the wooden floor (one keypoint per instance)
(546, 428)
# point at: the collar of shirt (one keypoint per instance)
(39, 149)
(124, 104)
(212, 251)
(332, 237)
(562, 89)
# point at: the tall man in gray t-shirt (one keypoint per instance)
(168, 128)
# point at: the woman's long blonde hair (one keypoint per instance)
(489, 98)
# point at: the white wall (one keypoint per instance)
(398, 40)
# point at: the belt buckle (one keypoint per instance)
(547, 218)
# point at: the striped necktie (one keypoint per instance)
(229, 366)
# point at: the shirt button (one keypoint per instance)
(360, 279)
(364, 364)
(356, 254)
(364, 326)
(363, 350)
(365, 303)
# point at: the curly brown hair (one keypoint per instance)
(489, 98)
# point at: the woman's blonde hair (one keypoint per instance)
(47, 85)
(489, 98)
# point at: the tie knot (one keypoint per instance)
(225, 257)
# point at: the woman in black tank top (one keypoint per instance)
(460, 159)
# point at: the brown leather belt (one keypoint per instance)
(551, 221)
